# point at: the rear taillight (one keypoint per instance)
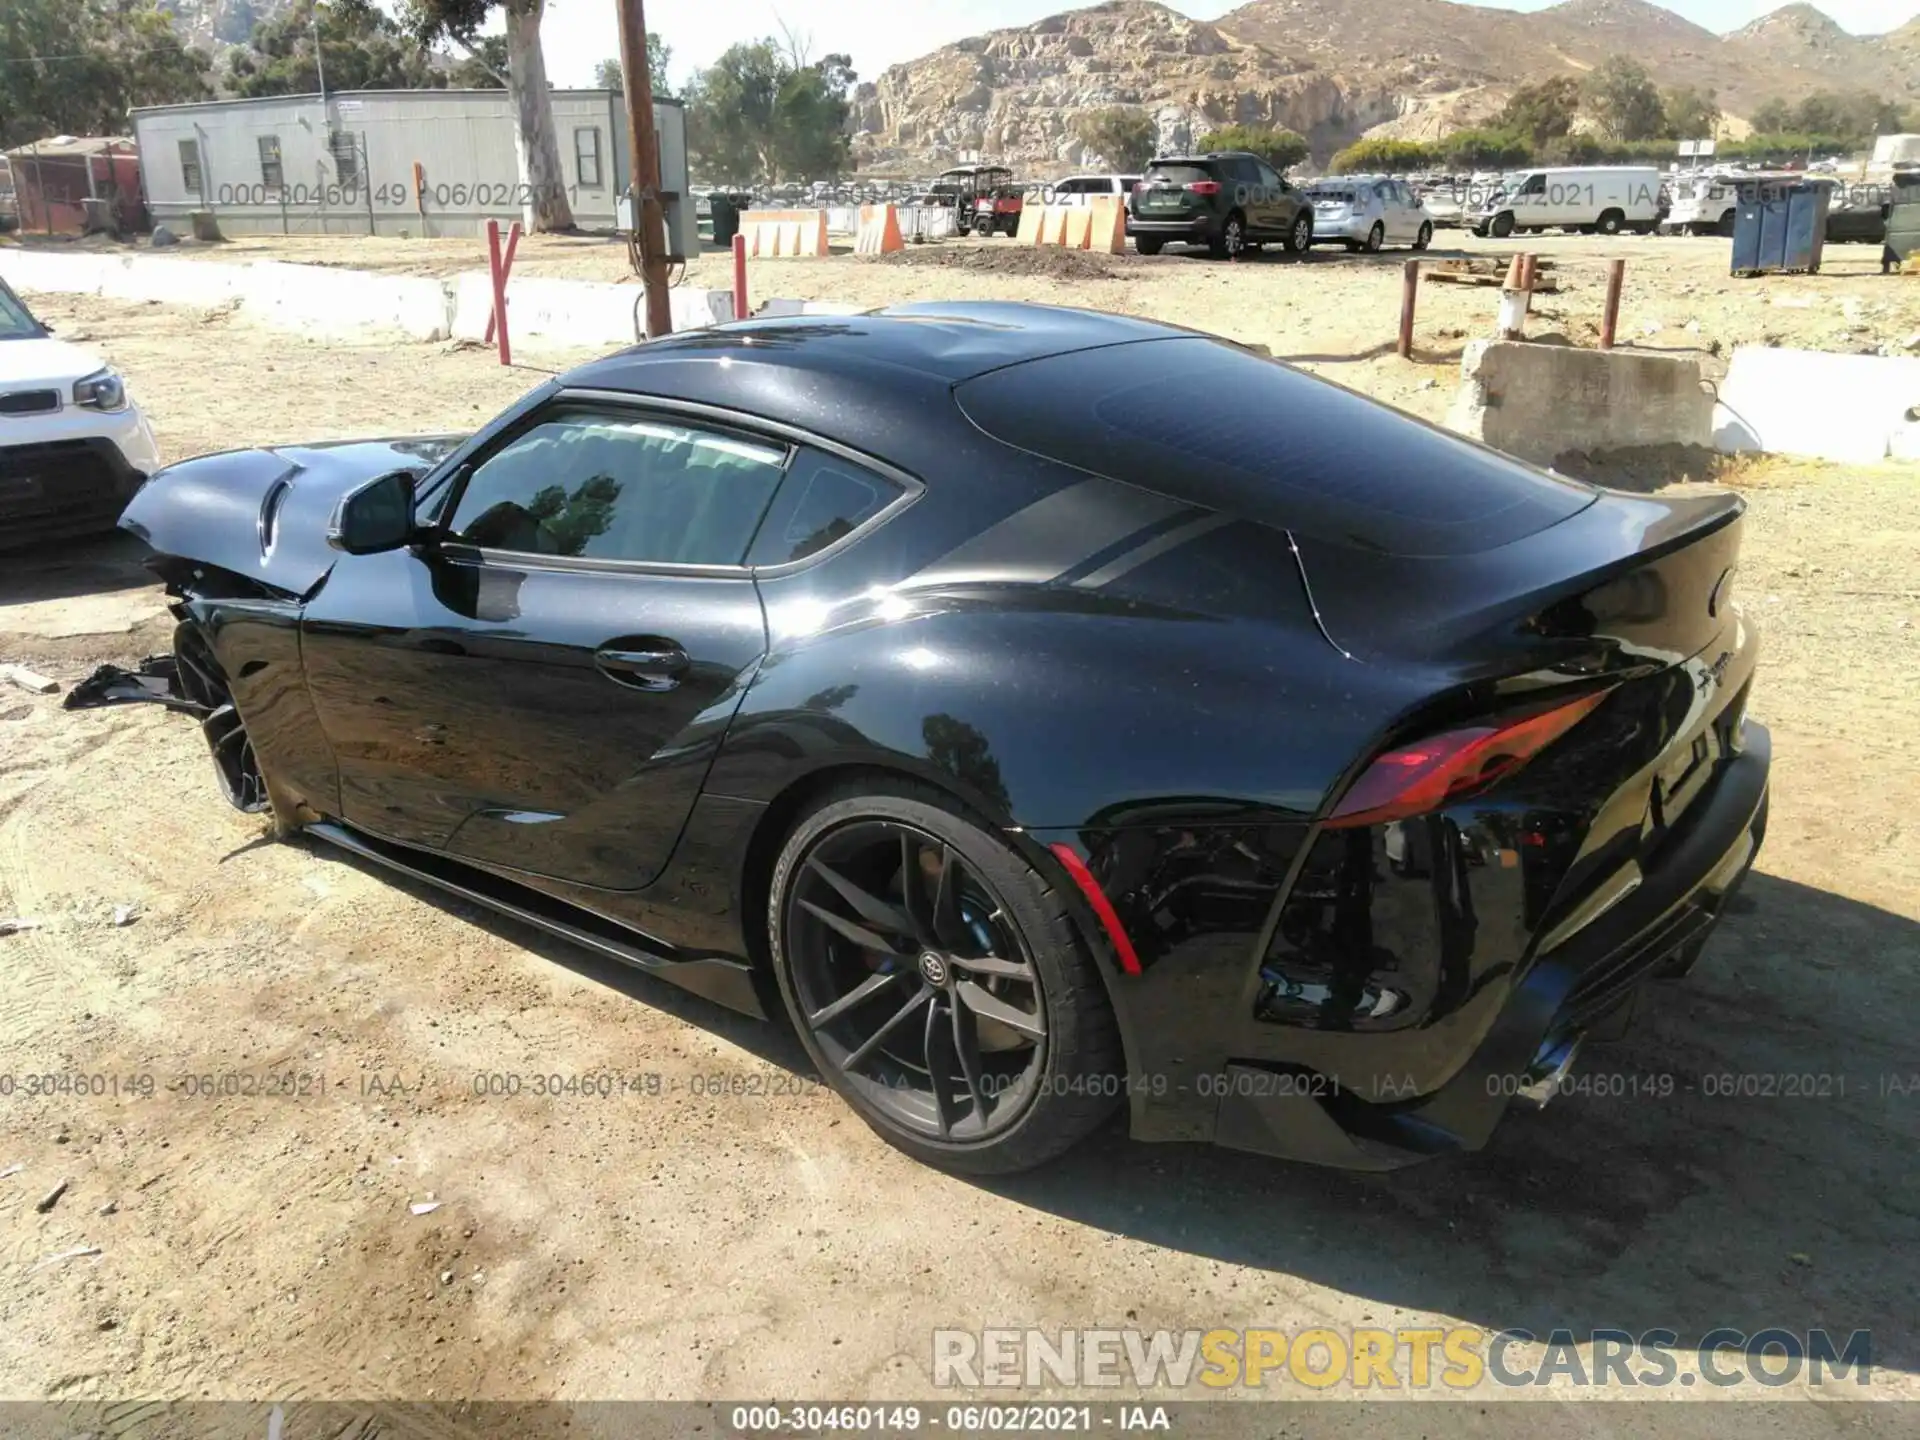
(1140, 188)
(1442, 769)
(1203, 187)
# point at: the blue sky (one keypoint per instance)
(879, 33)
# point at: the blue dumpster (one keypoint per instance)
(1780, 227)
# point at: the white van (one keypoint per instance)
(1592, 198)
(1079, 189)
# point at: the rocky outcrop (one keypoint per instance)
(1331, 69)
(1017, 94)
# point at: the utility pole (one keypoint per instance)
(643, 181)
(319, 55)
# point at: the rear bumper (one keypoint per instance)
(1352, 228)
(1175, 232)
(1654, 930)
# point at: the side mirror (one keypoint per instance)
(376, 517)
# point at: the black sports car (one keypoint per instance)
(1047, 709)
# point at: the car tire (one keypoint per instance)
(1725, 227)
(1376, 238)
(1502, 225)
(1026, 1094)
(1611, 222)
(1425, 237)
(1299, 239)
(203, 681)
(1231, 242)
(1148, 246)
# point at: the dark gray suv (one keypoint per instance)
(1226, 200)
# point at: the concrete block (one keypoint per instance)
(1538, 402)
(318, 299)
(53, 274)
(1846, 408)
(587, 314)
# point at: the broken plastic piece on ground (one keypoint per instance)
(157, 681)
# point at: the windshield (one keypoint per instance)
(16, 322)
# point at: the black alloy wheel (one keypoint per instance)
(936, 980)
(204, 684)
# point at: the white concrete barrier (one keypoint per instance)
(308, 298)
(53, 274)
(1539, 402)
(1849, 408)
(576, 312)
(320, 299)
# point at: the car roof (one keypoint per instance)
(943, 341)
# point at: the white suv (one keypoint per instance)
(73, 447)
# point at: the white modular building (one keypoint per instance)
(394, 162)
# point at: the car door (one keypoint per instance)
(541, 685)
(1407, 204)
(1273, 201)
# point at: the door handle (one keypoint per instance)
(643, 669)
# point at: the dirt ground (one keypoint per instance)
(263, 1246)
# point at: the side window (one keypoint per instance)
(344, 146)
(586, 156)
(1269, 177)
(190, 165)
(822, 499)
(1536, 185)
(606, 486)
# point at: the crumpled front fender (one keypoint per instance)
(263, 514)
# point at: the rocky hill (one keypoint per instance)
(215, 24)
(1332, 70)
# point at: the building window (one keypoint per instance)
(190, 166)
(345, 148)
(586, 156)
(270, 172)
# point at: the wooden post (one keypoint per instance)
(741, 309)
(643, 154)
(1409, 296)
(1610, 321)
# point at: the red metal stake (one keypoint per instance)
(740, 310)
(1610, 321)
(506, 264)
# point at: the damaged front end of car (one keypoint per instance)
(240, 541)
